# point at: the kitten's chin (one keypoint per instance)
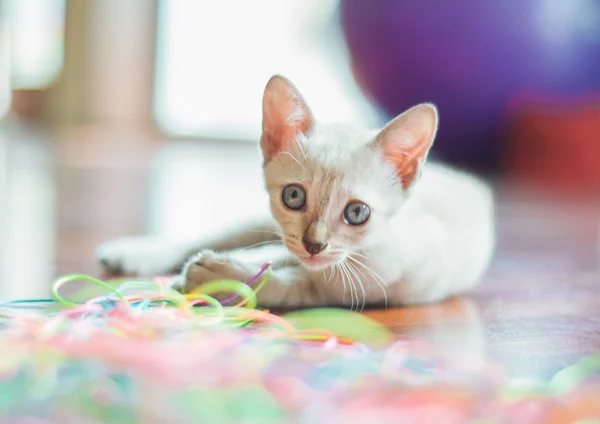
(314, 263)
(318, 263)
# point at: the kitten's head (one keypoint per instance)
(333, 188)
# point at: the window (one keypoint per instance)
(31, 45)
(215, 57)
(37, 45)
(4, 59)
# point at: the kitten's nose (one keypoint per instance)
(313, 248)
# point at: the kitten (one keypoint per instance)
(362, 219)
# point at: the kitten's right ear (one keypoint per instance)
(285, 115)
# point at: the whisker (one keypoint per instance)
(292, 156)
(265, 230)
(352, 284)
(402, 152)
(333, 274)
(358, 254)
(330, 270)
(301, 147)
(378, 280)
(360, 284)
(350, 287)
(342, 277)
(271, 233)
(262, 243)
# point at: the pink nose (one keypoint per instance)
(313, 248)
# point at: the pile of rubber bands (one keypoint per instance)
(132, 351)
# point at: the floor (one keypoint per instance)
(537, 311)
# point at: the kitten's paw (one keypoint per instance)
(144, 256)
(208, 266)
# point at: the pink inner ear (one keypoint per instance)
(285, 115)
(282, 135)
(407, 161)
(406, 141)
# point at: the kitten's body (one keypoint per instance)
(423, 240)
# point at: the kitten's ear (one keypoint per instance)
(285, 115)
(406, 140)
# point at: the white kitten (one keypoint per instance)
(362, 220)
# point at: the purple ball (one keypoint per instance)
(472, 58)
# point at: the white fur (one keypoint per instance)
(421, 244)
(145, 256)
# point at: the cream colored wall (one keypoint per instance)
(109, 64)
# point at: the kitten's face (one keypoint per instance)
(333, 189)
(330, 199)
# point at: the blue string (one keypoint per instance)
(17, 302)
(141, 304)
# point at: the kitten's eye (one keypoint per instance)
(294, 197)
(356, 213)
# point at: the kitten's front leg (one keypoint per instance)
(290, 285)
(151, 256)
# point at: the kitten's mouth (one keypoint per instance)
(321, 261)
(317, 262)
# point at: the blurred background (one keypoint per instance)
(142, 116)
(131, 117)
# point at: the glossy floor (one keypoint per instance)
(537, 310)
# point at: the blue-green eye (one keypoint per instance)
(356, 213)
(293, 197)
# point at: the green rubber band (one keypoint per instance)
(231, 286)
(161, 302)
(569, 378)
(79, 277)
(245, 323)
(177, 298)
(209, 300)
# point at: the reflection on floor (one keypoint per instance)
(537, 311)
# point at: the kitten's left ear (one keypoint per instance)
(406, 140)
(285, 115)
